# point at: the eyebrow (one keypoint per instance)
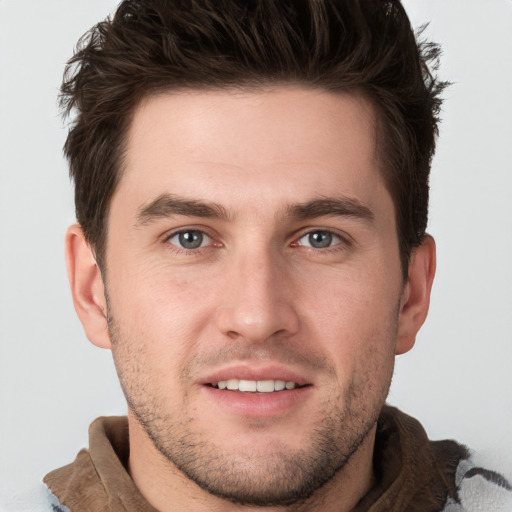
(168, 205)
(331, 207)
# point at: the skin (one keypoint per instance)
(258, 297)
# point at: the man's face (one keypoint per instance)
(252, 247)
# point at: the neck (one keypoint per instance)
(166, 488)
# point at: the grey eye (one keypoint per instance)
(191, 239)
(319, 239)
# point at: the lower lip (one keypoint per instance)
(258, 405)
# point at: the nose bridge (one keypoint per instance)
(257, 303)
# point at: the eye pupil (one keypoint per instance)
(191, 239)
(320, 239)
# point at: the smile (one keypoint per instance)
(255, 386)
(253, 393)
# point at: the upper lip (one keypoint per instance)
(254, 372)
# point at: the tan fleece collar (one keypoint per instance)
(97, 481)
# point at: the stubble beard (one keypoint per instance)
(276, 478)
(279, 477)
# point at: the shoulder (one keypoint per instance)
(36, 499)
(479, 489)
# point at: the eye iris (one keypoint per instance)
(191, 239)
(320, 239)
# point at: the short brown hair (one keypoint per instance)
(150, 46)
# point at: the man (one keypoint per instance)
(251, 191)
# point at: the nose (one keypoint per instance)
(257, 302)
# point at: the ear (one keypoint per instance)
(416, 294)
(87, 287)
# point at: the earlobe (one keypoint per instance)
(416, 295)
(87, 287)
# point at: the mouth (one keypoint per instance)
(257, 391)
(256, 386)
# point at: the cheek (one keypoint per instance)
(161, 317)
(354, 319)
(156, 294)
(349, 297)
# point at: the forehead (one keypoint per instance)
(218, 143)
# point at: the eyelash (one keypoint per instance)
(184, 250)
(343, 243)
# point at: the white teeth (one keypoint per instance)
(247, 385)
(279, 385)
(251, 386)
(232, 384)
(265, 386)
